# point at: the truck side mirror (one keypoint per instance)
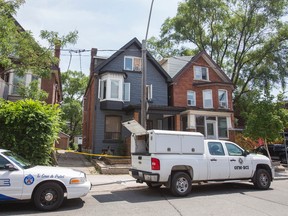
(10, 167)
(245, 153)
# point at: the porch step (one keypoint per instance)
(104, 168)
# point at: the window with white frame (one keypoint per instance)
(115, 87)
(111, 87)
(201, 73)
(16, 80)
(191, 98)
(132, 63)
(223, 99)
(149, 92)
(207, 99)
(126, 92)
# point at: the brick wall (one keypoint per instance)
(186, 80)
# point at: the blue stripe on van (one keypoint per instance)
(6, 198)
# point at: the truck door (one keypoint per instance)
(240, 165)
(11, 182)
(218, 164)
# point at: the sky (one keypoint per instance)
(101, 24)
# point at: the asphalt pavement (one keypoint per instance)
(110, 182)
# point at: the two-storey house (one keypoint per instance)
(113, 95)
(201, 86)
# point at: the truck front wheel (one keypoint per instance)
(262, 179)
(181, 184)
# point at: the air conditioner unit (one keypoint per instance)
(137, 68)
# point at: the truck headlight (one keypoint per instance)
(80, 180)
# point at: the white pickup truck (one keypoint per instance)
(176, 159)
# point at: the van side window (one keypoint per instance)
(215, 148)
(233, 150)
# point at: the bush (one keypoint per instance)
(29, 128)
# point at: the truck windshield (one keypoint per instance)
(17, 159)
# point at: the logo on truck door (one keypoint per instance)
(241, 167)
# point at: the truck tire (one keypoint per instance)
(181, 184)
(48, 196)
(262, 179)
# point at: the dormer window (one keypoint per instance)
(201, 73)
(132, 63)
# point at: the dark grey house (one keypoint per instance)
(113, 95)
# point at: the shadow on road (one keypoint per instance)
(28, 208)
(141, 194)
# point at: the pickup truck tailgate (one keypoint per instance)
(141, 162)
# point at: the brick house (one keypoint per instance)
(202, 87)
(9, 80)
(113, 95)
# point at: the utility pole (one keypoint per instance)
(144, 74)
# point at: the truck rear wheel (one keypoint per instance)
(181, 184)
(262, 179)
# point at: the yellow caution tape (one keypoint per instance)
(90, 154)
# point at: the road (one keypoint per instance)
(231, 199)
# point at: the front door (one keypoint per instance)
(218, 164)
(240, 165)
(211, 129)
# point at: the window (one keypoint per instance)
(191, 99)
(18, 80)
(149, 92)
(132, 63)
(233, 150)
(3, 162)
(103, 89)
(216, 148)
(126, 92)
(207, 99)
(223, 100)
(222, 127)
(111, 87)
(201, 73)
(200, 124)
(115, 89)
(112, 128)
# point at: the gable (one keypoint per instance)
(176, 66)
(133, 49)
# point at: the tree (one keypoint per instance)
(19, 51)
(29, 128)
(74, 86)
(267, 120)
(247, 38)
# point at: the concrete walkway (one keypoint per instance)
(110, 182)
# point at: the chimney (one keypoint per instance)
(57, 51)
(92, 61)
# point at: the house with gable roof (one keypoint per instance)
(203, 88)
(113, 95)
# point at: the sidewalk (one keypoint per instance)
(110, 182)
(98, 181)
